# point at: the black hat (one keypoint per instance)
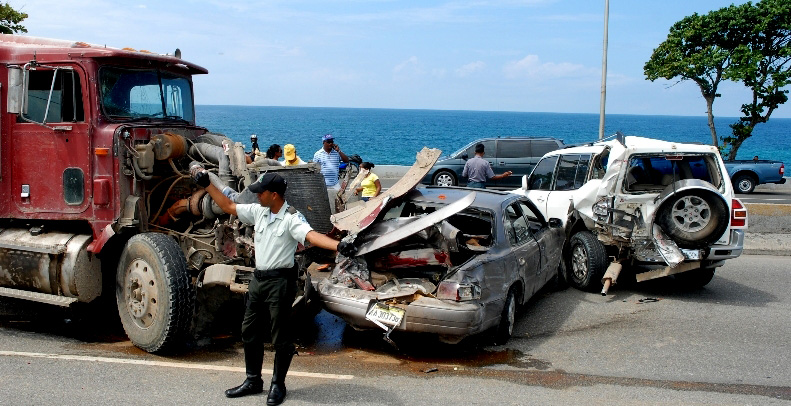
(269, 181)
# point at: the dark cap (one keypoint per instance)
(269, 181)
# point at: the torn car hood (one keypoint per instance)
(359, 217)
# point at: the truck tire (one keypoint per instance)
(694, 218)
(444, 178)
(153, 292)
(507, 318)
(588, 262)
(743, 183)
(696, 278)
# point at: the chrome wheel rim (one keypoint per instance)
(579, 262)
(444, 179)
(745, 185)
(691, 214)
(511, 315)
(140, 293)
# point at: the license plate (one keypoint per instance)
(385, 314)
(691, 254)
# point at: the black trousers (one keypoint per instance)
(269, 306)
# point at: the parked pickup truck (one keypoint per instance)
(747, 174)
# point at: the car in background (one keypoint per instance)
(656, 208)
(446, 261)
(747, 174)
(516, 154)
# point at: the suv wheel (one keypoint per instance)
(445, 178)
(694, 219)
(588, 262)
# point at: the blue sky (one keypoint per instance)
(508, 55)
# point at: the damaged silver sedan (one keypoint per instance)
(448, 261)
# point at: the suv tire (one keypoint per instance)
(588, 262)
(694, 218)
(696, 278)
(445, 178)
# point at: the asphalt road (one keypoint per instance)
(771, 193)
(644, 344)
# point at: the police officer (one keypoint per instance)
(278, 230)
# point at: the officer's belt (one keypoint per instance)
(276, 273)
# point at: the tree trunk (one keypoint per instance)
(710, 113)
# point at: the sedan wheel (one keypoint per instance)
(506, 327)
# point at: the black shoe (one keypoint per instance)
(277, 394)
(248, 387)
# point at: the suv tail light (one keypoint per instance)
(738, 214)
(782, 169)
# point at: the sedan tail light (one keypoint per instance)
(738, 214)
(450, 290)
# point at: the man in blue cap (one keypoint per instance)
(278, 229)
(330, 157)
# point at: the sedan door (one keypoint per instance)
(524, 249)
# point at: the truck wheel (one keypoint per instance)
(506, 327)
(696, 278)
(694, 219)
(588, 262)
(153, 292)
(445, 178)
(743, 183)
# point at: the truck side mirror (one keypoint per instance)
(464, 156)
(16, 90)
(524, 182)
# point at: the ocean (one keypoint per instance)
(390, 136)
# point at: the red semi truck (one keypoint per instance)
(96, 198)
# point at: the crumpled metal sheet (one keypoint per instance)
(667, 248)
(359, 217)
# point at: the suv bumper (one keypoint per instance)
(732, 250)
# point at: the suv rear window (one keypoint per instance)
(651, 172)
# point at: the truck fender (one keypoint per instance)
(97, 244)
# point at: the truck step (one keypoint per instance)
(38, 297)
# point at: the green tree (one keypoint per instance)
(10, 20)
(763, 64)
(699, 48)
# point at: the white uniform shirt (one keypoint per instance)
(276, 241)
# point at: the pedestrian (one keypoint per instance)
(370, 185)
(291, 157)
(274, 152)
(477, 170)
(278, 230)
(330, 157)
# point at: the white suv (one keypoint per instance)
(657, 208)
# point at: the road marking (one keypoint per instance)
(163, 364)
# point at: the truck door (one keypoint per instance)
(51, 159)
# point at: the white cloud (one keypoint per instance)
(410, 65)
(532, 67)
(470, 68)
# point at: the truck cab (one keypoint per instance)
(96, 145)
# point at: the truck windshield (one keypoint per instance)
(129, 94)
